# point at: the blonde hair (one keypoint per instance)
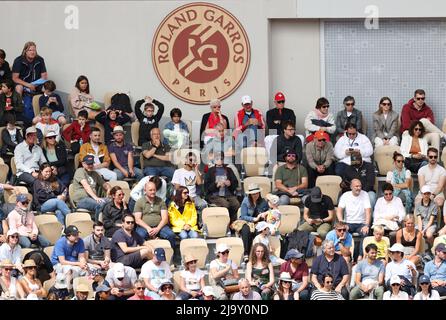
(379, 229)
(46, 111)
(27, 46)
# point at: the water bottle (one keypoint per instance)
(205, 231)
(81, 141)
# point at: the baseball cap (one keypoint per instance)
(246, 99)
(160, 254)
(441, 247)
(319, 135)
(293, 253)
(424, 279)
(222, 247)
(395, 279)
(279, 96)
(118, 270)
(426, 189)
(262, 225)
(21, 198)
(316, 195)
(103, 288)
(208, 291)
(30, 130)
(272, 198)
(71, 230)
(11, 232)
(88, 159)
(397, 247)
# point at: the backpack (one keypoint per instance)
(121, 101)
(298, 240)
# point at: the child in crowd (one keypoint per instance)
(264, 237)
(378, 233)
(11, 104)
(47, 123)
(78, 132)
(147, 118)
(176, 133)
(273, 215)
(109, 119)
(53, 101)
(11, 137)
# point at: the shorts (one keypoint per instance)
(133, 260)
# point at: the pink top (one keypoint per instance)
(135, 297)
(23, 227)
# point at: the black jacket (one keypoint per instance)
(209, 181)
(204, 121)
(8, 145)
(42, 192)
(108, 124)
(273, 114)
(110, 216)
(61, 154)
(283, 145)
(145, 123)
(365, 173)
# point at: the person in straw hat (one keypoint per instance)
(82, 292)
(191, 280)
(285, 291)
(31, 284)
(121, 155)
(251, 209)
(10, 286)
(11, 249)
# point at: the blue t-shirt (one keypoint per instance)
(332, 236)
(71, 253)
(370, 271)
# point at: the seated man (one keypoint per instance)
(28, 157)
(318, 213)
(248, 124)
(97, 247)
(434, 176)
(352, 142)
(290, 178)
(287, 140)
(127, 245)
(276, 117)
(157, 156)
(138, 190)
(154, 272)
(121, 155)
(342, 240)
(120, 279)
(87, 184)
(436, 269)
(152, 217)
(68, 258)
(100, 154)
(222, 142)
(245, 292)
(320, 157)
(358, 212)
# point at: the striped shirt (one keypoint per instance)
(322, 295)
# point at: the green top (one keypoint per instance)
(94, 180)
(151, 212)
(291, 177)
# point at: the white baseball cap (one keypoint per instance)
(246, 99)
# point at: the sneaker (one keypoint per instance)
(245, 258)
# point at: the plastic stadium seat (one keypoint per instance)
(48, 251)
(4, 169)
(52, 231)
(237, 248)
(254, 160)
(44, 218)
(216, 220)
(71, 218)
(135, 132)
(383, 156)
(263, 182)
(85, 227)
(36, 107)
(197, 247)
(165, 244)
(330, 186)
(290, 218)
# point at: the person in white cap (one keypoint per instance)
(395, 292)
(404, 268)
(247, 123)
(434, 176)
(109, 119)
(220, 269)
(264, 230)
(427, 212)
(208, 293)
(28, 156)
(56, 155)
(273, 216)
(121, 155)
(121, 279)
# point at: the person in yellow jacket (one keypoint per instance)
(183, 214)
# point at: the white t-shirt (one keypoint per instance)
(155, 274)
(432, 176)
(401, 296)
(186, 179)
(216, 264)
(192, 280)
(354, 206)
(434, 296)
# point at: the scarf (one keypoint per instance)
(319, 114)
(23, 214)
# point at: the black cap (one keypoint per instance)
(71, 230)
(316, 195)
(88, 159)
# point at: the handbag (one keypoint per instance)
(229, 285)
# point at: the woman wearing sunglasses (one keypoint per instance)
(30, 283)
(395, 292)
(222, 269)
(191, 280)
(385, 124)
(414, 147)
(10, 286)
(425, 291)
(56, 154)
(183, 214)
(401, 180)
(326, 292)
(284, 290)
(11, 250)
(166, 290)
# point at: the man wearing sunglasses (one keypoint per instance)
(320, 157)
(247, 123)
(286, 141)
(276, 117)
(417, 109)
(434, 176)
(342, 240)
(348, 115)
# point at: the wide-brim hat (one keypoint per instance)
(397, 247)
(188, 258)
(118, 129)
(253, 188)
(285, 276)
(6, 263)
(29, 263)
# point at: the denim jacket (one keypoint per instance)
(248, 212)
(170, 126)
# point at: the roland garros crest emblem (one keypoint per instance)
(200, 51)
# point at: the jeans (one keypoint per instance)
(27, 178)
(107, 174)
(58, 206)
(160, 171)
(165, 233)
(188, 234)
(340, 168)
(138, 173)
(356, 227)
(91, 205)
(26, 242)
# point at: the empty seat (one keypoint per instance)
(290, 218)
(383, 156)
(330, 186)
(52, 231)
(44, 218)
(71, 218)
(135, 132)
(197, 247)
(48, 251)
(4, 169)
(254, 160)
(85, 227)
(236, 248)
(216, 220)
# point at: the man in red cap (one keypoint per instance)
(320, 156)
(277, 116)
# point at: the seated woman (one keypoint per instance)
(411, 239)
(56, 155)
(253, 205)
(425, 290)
(210, 120)
(297, 267)
(11, 250)
(414, 147)
(183, 214)
(326, 292)
(10, 286)
(401, 180)
(319, 119)
(191, 280)
(81, 99)
(401, 267)
(50, 194)
(259, 271)
(221, 269)
(385, 124)
(395, 292)
(11, 137)
(30, 283)
(113, 211)
(348, 115)
(285, 289)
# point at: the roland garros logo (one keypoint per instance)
(200, 51)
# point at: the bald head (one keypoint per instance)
(150, 189)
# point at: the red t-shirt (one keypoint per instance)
(301, 271)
